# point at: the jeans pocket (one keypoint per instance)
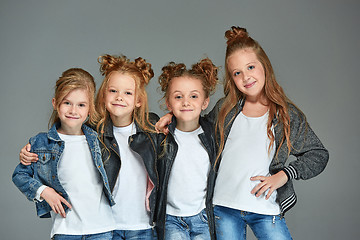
(203, 216)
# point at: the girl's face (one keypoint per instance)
(120, 99)
(247, 73)
(73, 111)
(186, 99)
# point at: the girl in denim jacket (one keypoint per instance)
(127, 145)
(69, 177)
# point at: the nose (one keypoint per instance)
(246, 76)
(73, 110)
(185, 102)
(119, 97)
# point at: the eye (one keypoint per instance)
(251, 67)
(66, 103)
(82, 105)
(128, 93)
(194, 96)
(178, 97)
(112, 90)
(236, 74)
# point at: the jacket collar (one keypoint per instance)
(53, 134)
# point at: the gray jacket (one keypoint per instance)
(310, 155)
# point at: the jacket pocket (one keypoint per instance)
(44, 165)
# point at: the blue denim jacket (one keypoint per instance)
(49, 148)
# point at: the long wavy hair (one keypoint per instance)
(239, 39)
(73, 79)
(141, 72)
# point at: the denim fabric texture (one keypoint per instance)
(146, 234)
(49, 148)
(230, 224)
(98, 236)
(187, 228)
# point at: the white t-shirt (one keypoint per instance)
(130, 187)
(188, 177)
(91, 212)
(245, 155)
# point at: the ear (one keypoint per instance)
(168, 106)
(205, 104)
(53, 101)
(138, 103)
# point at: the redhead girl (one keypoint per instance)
(69, 182)
(186, 165)
(257, 129)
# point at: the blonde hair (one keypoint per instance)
(140, 71)
(72, 79)
(238, 39)
(203, 70)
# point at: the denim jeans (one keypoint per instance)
(145, 234)
(97, 236)
(187, 228)
(231, 224)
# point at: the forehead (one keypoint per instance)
(121, 80)
(80, 95)
(185, 84)
(242, 57)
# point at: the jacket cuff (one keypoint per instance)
(290, 172)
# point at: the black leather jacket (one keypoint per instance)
(143, 143)
(164, 164)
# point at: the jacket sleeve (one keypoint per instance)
(24, 181)
(311, 156)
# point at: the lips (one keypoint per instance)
(186, 110)
(119, 105)
(249, 85)
(70, 117)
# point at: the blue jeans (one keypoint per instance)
(231, 224)
(145, 234)
(97, 236)
(187, 228)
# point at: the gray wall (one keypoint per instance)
(313, 45)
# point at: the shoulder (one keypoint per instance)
(153, 117)
(295, 114)
(39, 141)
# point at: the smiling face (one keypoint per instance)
(120, 99)
(186, 99)
(73, 111)
(247, 73)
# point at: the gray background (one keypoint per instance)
(313, 46)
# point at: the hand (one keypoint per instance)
(55, 200)
(164, 121)
(272, 183)
(26, 157)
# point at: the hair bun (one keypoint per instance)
(145, 68)
(207, 68)
(236, 33)
(108, 63)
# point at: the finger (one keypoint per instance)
(257, 188)
(269, 193)
(66, 203)
(258, 178)
(28, 147)
(262, 190)
(62, 211)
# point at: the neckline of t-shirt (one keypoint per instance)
(127, 128)
(260, 117)
(188, 133)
